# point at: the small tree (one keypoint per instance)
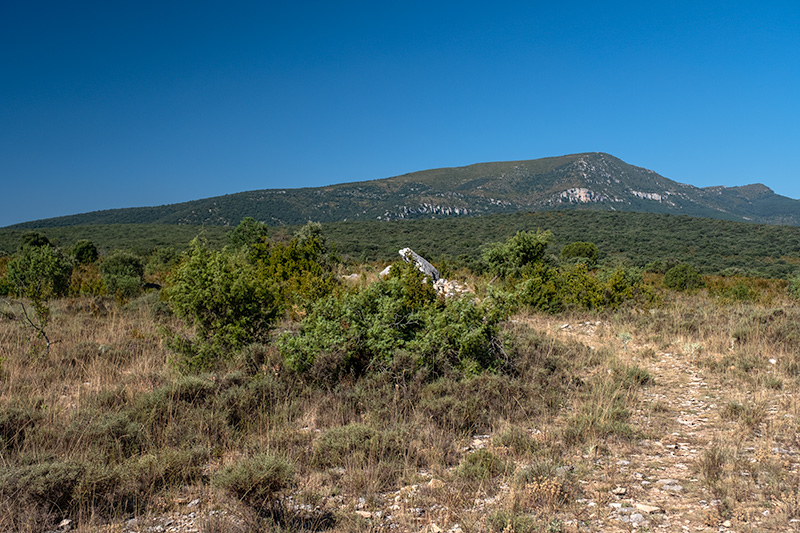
(248, 232)
(311, 235)
(224, 296)
(39, 273)
(683, 277)
(85, 252)
(122, 274)
(521, 251)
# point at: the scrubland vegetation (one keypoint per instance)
(260, 382)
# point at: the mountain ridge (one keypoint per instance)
(591, 180)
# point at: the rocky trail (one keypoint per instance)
(658, 483)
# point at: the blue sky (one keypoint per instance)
(124, 104)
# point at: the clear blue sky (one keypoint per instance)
(123, 104)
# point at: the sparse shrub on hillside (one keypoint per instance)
(683, 277)
(256, 480)
(481, 465)
(358, 445)
(122, 275)
(364, 328)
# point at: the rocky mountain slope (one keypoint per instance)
(596, 181)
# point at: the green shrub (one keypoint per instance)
(580, 251)
(794, 287)
(365, 328)
(517, 253)
(85, 252)
(122, 275)
(224, 296)
(682, 278)
(256, 480)
(481, 465)
(39, 272)
(301, 268)
(553, 289)
(248, 232)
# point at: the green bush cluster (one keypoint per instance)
(537, 282)
(366, 328)
(234, 295)
(517, 253)
(223, 295)
(123, 275)
(39, 272)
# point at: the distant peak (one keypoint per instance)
(754, 188)
(750, 192)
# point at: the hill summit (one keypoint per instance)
(596, 181)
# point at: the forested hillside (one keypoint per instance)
(635, 238)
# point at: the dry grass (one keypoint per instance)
(106, 428)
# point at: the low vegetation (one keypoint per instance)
(259, 380)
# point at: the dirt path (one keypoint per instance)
(658, 484)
